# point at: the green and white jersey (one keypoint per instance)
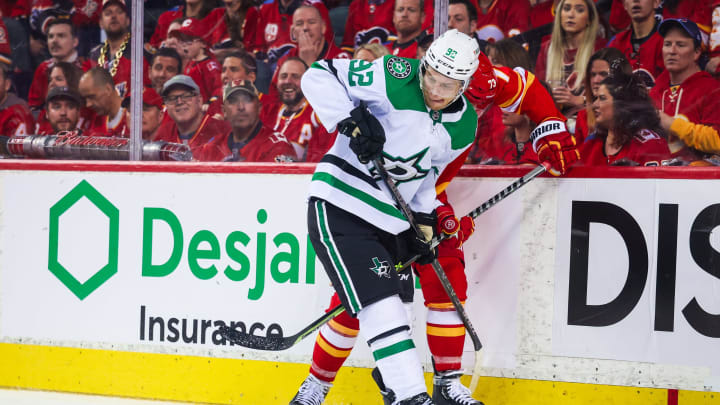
(420, 143)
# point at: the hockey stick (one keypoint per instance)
(276, 343)
(385, 176)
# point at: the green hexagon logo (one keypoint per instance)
(82, 290)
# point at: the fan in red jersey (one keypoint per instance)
(96, 86)
(187, 124)
(641, 43)
(628, 127)
(201, 65)
(237, 65)
(498, 19)
(62, 43)
(408, 16)
(293, 116)
(15, 116)
(198, 9)
(248, 140)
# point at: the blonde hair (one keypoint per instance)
(558, 46)
(376, 49)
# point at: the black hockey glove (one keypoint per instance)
(367, 135)
(422, 245)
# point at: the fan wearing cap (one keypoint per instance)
(687, 97)
(247, 140)
(187, 124)
(63, 110)
(294, 117)
(62, 42)
(152, 113)
(201, 10)
(114, 54)
(201, 65)
(15, 116)
(96, 86)
(236, 65)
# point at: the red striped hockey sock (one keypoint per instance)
(333, 345)
(445, 335)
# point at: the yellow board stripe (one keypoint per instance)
(331, 350)
(240, 381)
(440, 331)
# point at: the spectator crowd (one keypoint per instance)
(637, 80)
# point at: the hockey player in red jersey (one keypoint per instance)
(247, 140)
(627, 126)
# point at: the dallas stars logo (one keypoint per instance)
(382, 269)
(403, 169)
(398, 67)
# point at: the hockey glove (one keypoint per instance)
(367, 135)
(421, 245)
(555, 145)
(466, 228)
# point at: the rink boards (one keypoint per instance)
(597, 288)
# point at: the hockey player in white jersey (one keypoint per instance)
(412, 115)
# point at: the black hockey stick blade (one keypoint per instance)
(275, 343)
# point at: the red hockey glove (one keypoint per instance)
(447, 222)
(466, 228)
(555, 145)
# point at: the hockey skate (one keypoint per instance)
(448, 390)
(419, 399)
(311, 392)
(387, 394)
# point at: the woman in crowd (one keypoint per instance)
(598, 68)
(628, 126)
(564, 57)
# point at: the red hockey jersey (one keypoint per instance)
(299, 128)
(272, 35)
(122, 75)
(39, 86)
(696, 100)
(211, 23)
(645, 56)
(102, 125)
(206, 74)
(15, 117)
(248, 29)
(495, 143)
(646, 148)
(699, 11)
(504, 18)
(368, 22)
(210, 128)
(569, 62)
(264, 145)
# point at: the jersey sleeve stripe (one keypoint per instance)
(531, 80)
(345, 188)
(349, 169)
(515, 97)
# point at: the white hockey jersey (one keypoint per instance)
(420, 143)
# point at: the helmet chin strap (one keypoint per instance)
(423, 69)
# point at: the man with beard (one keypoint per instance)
(62, 43)
(152, 113)
(188, 125)
(114, 54)
(96, 86)
(408, 17)
(248, 140)
(63, 109)
(294, 117)
(164, 64)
